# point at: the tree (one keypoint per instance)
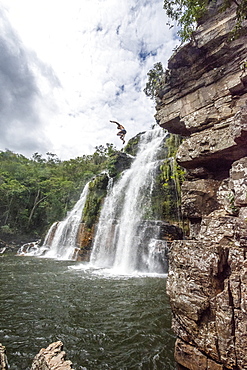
(187, 13)
(38, 191)
(154, 80)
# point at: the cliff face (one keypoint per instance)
(204, 98)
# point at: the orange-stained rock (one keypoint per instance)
(84, 242)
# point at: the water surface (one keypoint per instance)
(104, 321)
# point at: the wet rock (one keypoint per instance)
(97, 190)
(51, 358)
(132, 146)
(3, 358)
(84, 243)
(5, 247)
(160, 230)
(119, 162)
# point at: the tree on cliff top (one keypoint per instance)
(154, 80)
(187, 13)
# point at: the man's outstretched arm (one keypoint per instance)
(118, 125)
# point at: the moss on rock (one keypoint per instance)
(96, 193)
(169, 182)
(117, 163)
(132, 146)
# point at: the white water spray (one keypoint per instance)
(63, 242)
(60, 241)
(157, 258)
(118, 240)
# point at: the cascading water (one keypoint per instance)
(64, 240)
(60, 241)
(118, 242)
(157, 258)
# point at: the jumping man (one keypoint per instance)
(122, 131)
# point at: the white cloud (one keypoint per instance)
(100, 52)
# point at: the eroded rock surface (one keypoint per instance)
(204, 98)
(3, 358)
(51, 358)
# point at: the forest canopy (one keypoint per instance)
(38, 191)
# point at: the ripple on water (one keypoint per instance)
(105, 321)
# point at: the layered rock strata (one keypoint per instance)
(204, 98)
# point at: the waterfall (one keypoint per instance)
(118, 242)
(62, 245)
(157, 258)
(60, 241)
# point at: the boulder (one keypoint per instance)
(51, 358)
(3, 358)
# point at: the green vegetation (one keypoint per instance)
(231, 201)
(170, 179)
(117, 163)
(132, 145)
(166, 195)
(96, 193)
(187, 13)
(38, 191)
(154, 80)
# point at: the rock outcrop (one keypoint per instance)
(51, 358)
(204, 99)
(3, 358)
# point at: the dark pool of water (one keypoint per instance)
(104, 321)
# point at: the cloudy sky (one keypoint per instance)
(68, 67)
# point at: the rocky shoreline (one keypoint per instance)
(51, 358)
